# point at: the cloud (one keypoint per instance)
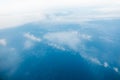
(95, 60)
(9, 60)
(86, 37)
(30, 40)
(115, 69)
(32, 37)
(3, 42)
(106, 64)
(14, 13)
(69, 38)
(57, 46)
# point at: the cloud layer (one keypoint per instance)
(14, 13)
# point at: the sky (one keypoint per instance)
(14, 13)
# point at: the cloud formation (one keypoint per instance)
(14, 13)
(95, 60)
(32, 37)
(3, 42)
(115, 69)
(72, 39)
(106, 64)
(56, 46)
(30, 40)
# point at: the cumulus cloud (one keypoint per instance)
(3, 42)
(32, 37)
(14, 13)
(72, 39)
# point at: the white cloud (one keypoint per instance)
(115, 69)
(18, 12)
(106, 64)
(57, 46)
(69, 38)
(30, 40)
(86, 37)
(95, 60)
(32, 37)
(3, 42)
(72, 39)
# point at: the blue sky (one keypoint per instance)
(18, 12)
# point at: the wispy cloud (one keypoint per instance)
(106, 64)
(95, 60)
(57, 46)
(3, 42)
(32, 37)
(115, 69)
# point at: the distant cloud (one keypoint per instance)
(3, 42)
(16, 13)
(32, 37)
